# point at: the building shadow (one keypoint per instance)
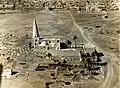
(1, 70)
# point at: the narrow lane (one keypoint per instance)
(110, 74)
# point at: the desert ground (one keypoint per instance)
(91, 28)
(106, 38)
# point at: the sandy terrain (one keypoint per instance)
(67, 25)
(109, 45)
(15, 27)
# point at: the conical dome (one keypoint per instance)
(35, 29)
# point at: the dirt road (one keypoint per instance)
(112, 66)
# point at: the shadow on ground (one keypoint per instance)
(1, 70)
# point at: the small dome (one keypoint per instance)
(44, 43)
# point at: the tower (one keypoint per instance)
(35, 29)
(36, 35)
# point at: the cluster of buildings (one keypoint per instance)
(64, 61)
(44, 42)
(80, 5)
(56, 47)
(54, 43)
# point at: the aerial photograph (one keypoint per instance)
(59, 43)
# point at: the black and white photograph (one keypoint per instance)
(59, 43)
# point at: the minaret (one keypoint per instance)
(35, 33)
(35, 29)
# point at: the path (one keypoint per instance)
(110, 74)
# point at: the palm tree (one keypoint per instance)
(89, 64)
(74, 38)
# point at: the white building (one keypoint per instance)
(44, 42)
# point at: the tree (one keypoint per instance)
(64, 61)
(89, 63)
(30, 45)
(68, 43)
(74, 38)
(49, 55)
(14, 7)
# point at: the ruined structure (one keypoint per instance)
(53, 43)
(56, 45)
